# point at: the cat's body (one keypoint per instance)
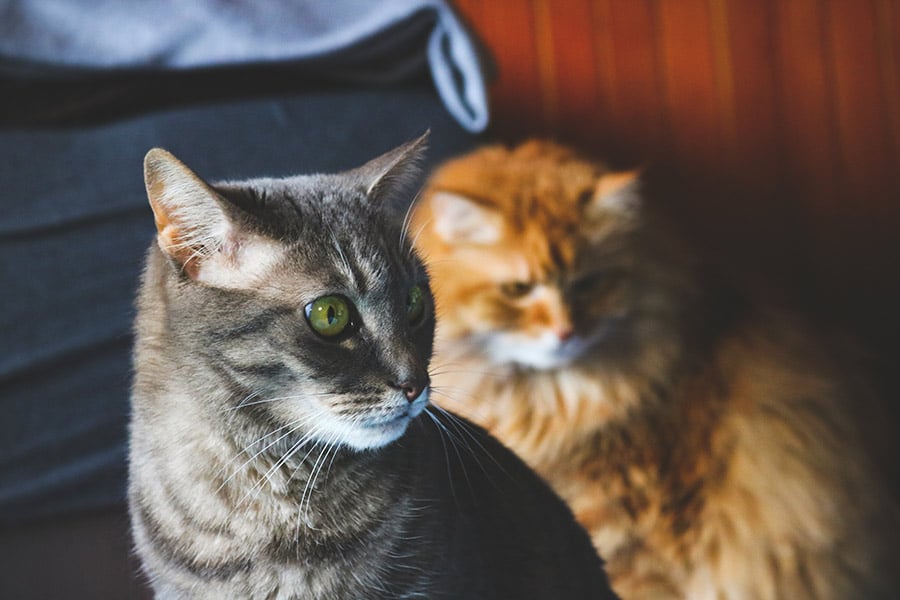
(279, 455)
(713, 450)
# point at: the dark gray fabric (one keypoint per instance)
(356, 40)
(74, 226)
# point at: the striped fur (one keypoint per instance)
(269, 462)
(712, 449)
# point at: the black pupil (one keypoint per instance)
(330, 315)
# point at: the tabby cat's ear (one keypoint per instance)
(395, 172)
(194, 229)
(618, 193)
(460, 220)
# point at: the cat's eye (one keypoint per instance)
(415, 304)
(585, 197)
(516, 289)
(596, 283)
(329, 316)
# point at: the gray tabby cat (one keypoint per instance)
(278, 447)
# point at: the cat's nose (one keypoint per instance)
(564, 334)
(412, 389)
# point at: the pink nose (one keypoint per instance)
(564, 334)
(411, 389)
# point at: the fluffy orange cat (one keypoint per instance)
(712, 449)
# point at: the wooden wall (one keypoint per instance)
(787, 111)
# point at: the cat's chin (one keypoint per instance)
(370, 433)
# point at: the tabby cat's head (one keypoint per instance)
(540, 257)
(292, 301)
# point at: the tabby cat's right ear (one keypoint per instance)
(460, 220)
(194, 229)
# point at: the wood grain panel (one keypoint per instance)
(794, 103)
(751, 44)
(575, 63)
(886, 16)
(690, 86)
(508, 30)
(636, 88)
(862, 119)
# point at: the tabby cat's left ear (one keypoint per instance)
(394, 173)
(617, 193)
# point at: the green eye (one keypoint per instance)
(329, 315)
(415, 304)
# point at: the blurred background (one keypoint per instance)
(772, 129)
(780, 118)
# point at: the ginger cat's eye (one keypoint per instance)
(596, 283)
(415, 304)
(329, 316)
(516, 289)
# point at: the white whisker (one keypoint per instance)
(422, 227)
(292, 426)
(407, 219)
(463, 426)
(441, 432)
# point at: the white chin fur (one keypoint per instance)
(369, 433)
(544, 352)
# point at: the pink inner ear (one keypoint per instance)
(172, 242)
(459, 220)
(613, 182)
(190, 222)
(185, 255)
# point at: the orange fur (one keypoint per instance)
(713, 450)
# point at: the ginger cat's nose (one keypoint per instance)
(564, 334)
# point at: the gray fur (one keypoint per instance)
(254, 472)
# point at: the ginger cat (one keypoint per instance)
(713, 449)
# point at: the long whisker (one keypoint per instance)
(257, 487)
(314, 474)
(407, 219)
(415, 240)
(292, 426)
(450, 367)
(456, 441)
(441, 433)
(244, 403)
(473, 410)
(346, 264)
(463, 426)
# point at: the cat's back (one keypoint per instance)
(508, 535)
(799, 438)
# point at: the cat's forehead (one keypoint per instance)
(283, 205)
(333, 238)
(511, 178)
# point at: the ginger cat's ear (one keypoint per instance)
(618, 193)
(194, 229)
(459, 220)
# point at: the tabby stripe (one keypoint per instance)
(174, 555)
(327, 549)
(268, 370)
(258, 323)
